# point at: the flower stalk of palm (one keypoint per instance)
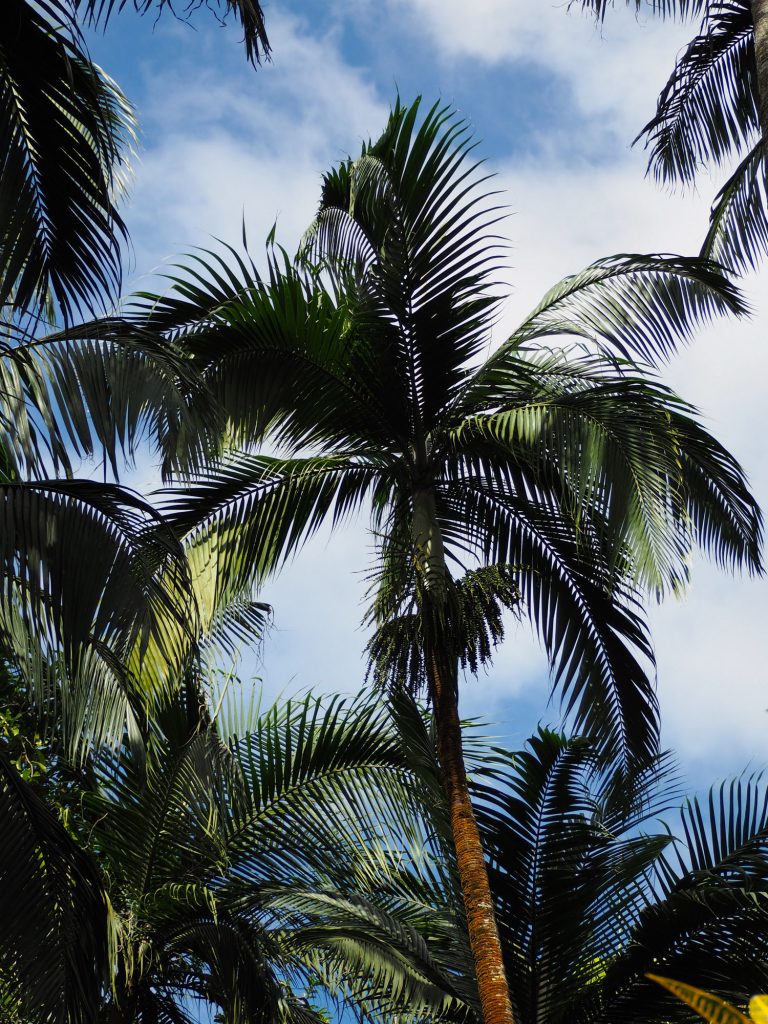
(573, 479)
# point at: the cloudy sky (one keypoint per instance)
(555, 103)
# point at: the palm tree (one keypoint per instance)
(714, 108)
(249, 871)
(574, 480)
(593, 889)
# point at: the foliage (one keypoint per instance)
(584, 480)
(708, 114)
(244, 860)
(592, 890)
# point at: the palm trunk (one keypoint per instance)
(473, 874)
(760, 22)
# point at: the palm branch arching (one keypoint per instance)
(714, 110)
(580, 479)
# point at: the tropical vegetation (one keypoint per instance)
(169, 849)
(597, 885)
(240, 860)
(563, 481)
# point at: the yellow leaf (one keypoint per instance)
(758, 1009)
(711, 1008)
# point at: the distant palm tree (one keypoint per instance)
(574, 480)
(239, 871)
(713, 108)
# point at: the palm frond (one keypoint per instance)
(666, 8)
(247, 13)
(91, 578)
(100, 387)
(53, 943)
(65, 136)
(593, 632)
(321, 780)
(631, 459)
(407, 229)
(708, 108)
(636, 305)
(245, 517)
(382, 961)
(738, 220)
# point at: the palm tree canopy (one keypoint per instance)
(588, 479)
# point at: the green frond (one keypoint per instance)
(408, 232)
(738, 220)
(321, 779)
(631, 460)
(65, 137)
(53, 943)
(247, 516)
(639, 306)
(103, 387)
(248, 14)
(708, 109)
(91, 579)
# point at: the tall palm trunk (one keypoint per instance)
(760, 22)
(442, 671)
(473, 874)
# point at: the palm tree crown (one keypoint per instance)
(569, 467)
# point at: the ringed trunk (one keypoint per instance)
(760, 22)
(484, 941)
(473, 874)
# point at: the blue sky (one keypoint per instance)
(555, 103)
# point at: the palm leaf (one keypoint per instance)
(666, 8)
(103, 387)
(708, 108)
(91, 578)
(247, 13)
(636, 305)
(738, 220)
(53, 943)
(65, 134)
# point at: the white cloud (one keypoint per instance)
(245, 145)
(611, 71)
